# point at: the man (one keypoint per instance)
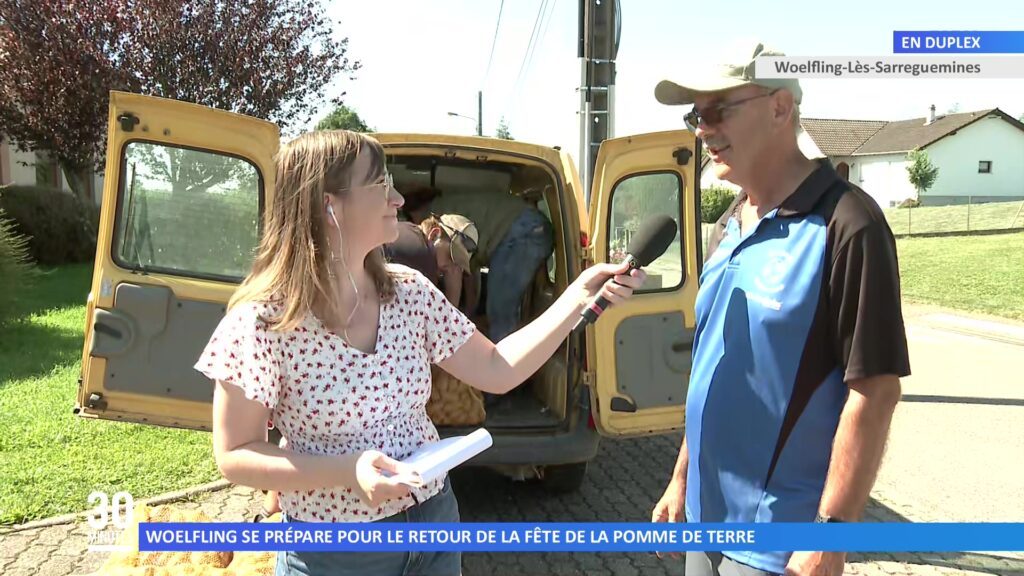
(515, 238)
(417, 203)
(440, 247)
(800, 340)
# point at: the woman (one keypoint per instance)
(440, 248)
(335, 347)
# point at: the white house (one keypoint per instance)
(980, 155)
(30, 168)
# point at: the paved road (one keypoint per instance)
(956, 451)
(954, 455)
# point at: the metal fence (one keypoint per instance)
(958, 214)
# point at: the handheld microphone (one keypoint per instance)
(650, 242)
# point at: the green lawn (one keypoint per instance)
(50, 460)
(960, 218)
(973, 273)
(969, 272)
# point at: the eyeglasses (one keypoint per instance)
(713, 115)
(387, 181)
(468, 243)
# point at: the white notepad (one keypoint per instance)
(433, 461)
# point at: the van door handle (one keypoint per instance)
(108, 330)
(113, 333)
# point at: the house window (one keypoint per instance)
(985, 167)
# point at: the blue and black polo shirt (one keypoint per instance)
(807, 300)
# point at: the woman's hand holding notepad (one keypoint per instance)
(433, 461)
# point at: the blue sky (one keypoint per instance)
(422, 59)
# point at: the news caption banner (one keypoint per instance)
(958, 41)
(891, 67)
(580, 537)
(916, 54)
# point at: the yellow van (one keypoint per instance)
(184, 192)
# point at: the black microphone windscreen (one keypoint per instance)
(652, 239)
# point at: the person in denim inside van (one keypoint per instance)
(334, 345)
(515, 238)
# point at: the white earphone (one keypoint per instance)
(341, 245)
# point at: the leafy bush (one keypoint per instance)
(16, 268)
(61, 227)
(714, 200)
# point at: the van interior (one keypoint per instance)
(540, 402)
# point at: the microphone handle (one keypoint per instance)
(591, 313)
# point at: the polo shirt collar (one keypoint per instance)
(802, 200)
(810, 191)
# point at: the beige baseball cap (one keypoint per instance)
(464, 238)
(735, 69)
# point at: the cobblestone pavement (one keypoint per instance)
(622, 485)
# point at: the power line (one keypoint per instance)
(540, 29)
(494, 42)
(530, 44)
(545, 22)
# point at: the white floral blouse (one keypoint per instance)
(327, 397)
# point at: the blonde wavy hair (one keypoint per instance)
(291, 266)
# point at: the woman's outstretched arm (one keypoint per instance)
(498, 368)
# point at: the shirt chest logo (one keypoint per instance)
(772, 276)
(770, 280)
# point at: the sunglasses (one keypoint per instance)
(713, 115)
(468, 243)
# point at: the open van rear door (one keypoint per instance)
(638, 354)
(183, 195)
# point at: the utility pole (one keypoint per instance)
(479, 112)
(600, 28)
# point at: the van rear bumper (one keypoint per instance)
(577, 444)
(564, 447)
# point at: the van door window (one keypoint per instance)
(187, 212)
(635, 199)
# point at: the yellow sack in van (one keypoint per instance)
(453, 402)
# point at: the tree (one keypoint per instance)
(921, 172)
(272, 59)
(58, 61)
(502, 131)
(343, 118)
